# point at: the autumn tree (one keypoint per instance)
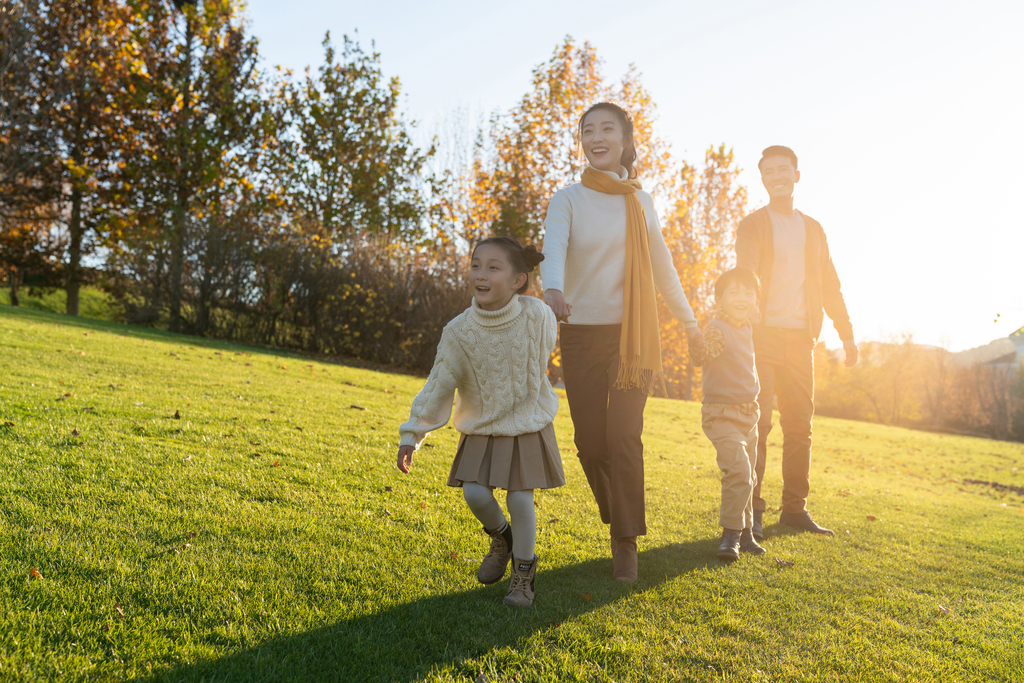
(195, 102)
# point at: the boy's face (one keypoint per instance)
(738, 301)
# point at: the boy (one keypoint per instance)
(730, 411)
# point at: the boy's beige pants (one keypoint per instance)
(733, 430)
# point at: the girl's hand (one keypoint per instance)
(405, 458)
(556, 301)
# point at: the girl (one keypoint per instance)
(496, 355)
(605, 256)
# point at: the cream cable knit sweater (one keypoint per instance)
(498, 362)
(584, 255)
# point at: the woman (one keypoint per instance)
(605, 255)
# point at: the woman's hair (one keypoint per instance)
(522, 259)
(742, 276)
(626, 121)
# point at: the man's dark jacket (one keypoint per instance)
(755, 251)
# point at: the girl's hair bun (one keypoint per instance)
(532, 257)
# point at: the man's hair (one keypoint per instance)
(740, 276)
(778, 151)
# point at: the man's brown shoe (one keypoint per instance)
(624, 559)
(520, 588)
(492, 567)
(804, 522)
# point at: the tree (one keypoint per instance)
(86, 52)
(348, 164)
(195, 111)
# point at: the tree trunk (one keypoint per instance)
(181, 205)
(74, 252)
(15, 275)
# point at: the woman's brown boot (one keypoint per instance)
(520, 588)
(624, 559)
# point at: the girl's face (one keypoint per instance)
(603, 140)
(493, 278)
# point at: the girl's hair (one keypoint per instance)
(522, 259)
(626, 121)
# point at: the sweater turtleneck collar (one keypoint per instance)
(503, 315)
(622, 175)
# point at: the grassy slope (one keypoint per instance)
(230, 544)
(92, 302)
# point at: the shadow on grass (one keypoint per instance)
(405, 642)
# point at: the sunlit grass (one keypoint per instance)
(264, 534)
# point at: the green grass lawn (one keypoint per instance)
(202, 511)
(92, 302)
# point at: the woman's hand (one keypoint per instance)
(405, 458)
(556, 301)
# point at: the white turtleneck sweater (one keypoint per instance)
(498, 362)
(585, 255)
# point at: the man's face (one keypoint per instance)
(778, 176)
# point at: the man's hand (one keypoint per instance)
(556, 300)
(405, 458)
(852, 353)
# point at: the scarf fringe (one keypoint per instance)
(634, 376)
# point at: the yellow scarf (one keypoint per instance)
(640, 342)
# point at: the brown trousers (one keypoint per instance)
(608, 423)
(785, 368)
(733, 431)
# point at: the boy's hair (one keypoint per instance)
(522, 259)
(741, 276)
(778, 151)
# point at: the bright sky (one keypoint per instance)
(907, 117)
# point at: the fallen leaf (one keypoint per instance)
(784, 563)
(177, 414)
(945, 610)
(8, 424)
(588, 597)
(844, 492)
(387, 512)
(106, 627)
(74, 432)
(423, 505)
(387, 488)
(872, 518)
(67, 395)
(34, 574)
(554, 521)
(355, 407)
(254, 443)
(192, 534)
(299, 428)
(257, 455)
(453, 556)
(276, 463)
(117, 606)
(188, 459)
(954, 640)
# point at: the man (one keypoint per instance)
(789, 252)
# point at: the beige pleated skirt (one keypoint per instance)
(513, 463)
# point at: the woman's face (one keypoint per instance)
(492, 277)
(603, 140)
